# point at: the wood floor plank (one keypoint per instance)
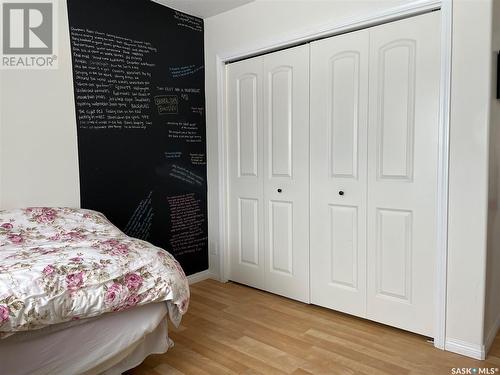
(300, 371)
(358, 356)
(164, 369)
(321, 361)
(233, 329)
(189, 362)
(230, 363)
(217, 344)
(269, 354)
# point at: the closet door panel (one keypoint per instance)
(280, 107)
(339, 97)
(286, 172)
(246, 171)
(402, 172)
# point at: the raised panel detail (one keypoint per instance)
(280, 121)
(280, 236)
(394, 253)
(344, 245)
(247, 125)
(248, 227)
(396, 110)
(344, 114)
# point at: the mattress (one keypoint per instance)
(109, 344)
(63, 264)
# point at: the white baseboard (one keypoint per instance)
(491, 335)
(200, 276)
(465, 348)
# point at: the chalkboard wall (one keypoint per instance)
(138, 74)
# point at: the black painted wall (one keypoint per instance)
(138, 74)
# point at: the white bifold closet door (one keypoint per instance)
(374, 134)
(339, 111)
(246, 171)
(268, 156)
(402, 172)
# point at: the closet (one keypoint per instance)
(332, 171)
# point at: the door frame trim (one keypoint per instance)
(327, 30)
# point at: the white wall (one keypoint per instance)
(471, 79)
(492, 316)
(38, 149)
(257, 24)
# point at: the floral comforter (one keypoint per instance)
(63, 264)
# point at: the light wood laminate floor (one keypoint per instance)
(233, 329)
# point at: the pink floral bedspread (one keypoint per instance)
(63, 264)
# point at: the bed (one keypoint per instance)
(78, 296)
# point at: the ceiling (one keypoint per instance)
(203, 8)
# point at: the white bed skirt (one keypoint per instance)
(109, 345)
